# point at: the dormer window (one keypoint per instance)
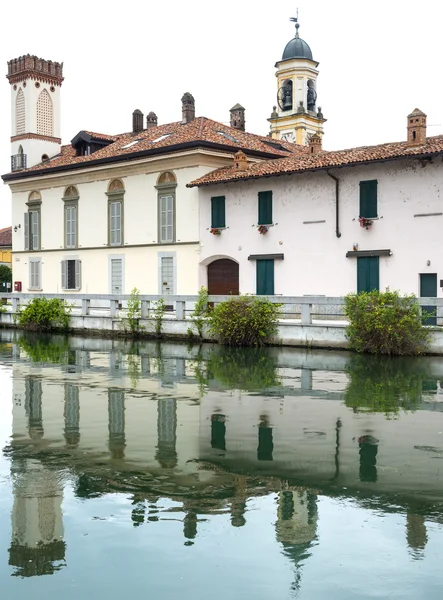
(88, 143)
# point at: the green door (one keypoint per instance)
(265, 277)
(428, 289)
(368, 273)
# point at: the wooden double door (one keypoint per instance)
(223, 278)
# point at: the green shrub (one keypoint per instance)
(200, 312)
(385, 323)
(158, 313)
(131, 320)
(43, 314)
(244, 321)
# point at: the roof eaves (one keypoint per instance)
(134, 155)
(312, 169)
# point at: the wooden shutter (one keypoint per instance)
(34, 274)
(78, 282)
(368, 273)
(368, 199)
(64, 264)
(264, 208)
(265, 277)
(166, 218)
(26, 223)
(34, 216)
(70, 226)
(218, 212)
(116, 276)
(115, 225)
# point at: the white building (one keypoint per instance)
(328, 222)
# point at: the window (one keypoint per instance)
(35, 277)
(20, 123)
(368, 199)
(115, 195)
(32, 222)
(70, 199)
(218, 212)
(265, 208)
(116, 274)
(166, 186)
(265, 277)
(71, 274)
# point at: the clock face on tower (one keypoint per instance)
(289, 136)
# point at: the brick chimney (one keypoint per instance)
(315, 144)
(416, 128)
(151, 120)
(238, 117)
(137, 121)
(188, 108)
(240, 161)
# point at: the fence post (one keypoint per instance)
(15, 303)
(86, 303)
(145, 304)
(113, 305)
(180, 310)
(306, 317)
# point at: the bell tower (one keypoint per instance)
(35, 110)
(296, 116)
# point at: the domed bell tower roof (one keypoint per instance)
(297, 48)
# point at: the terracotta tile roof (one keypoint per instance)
(6, 237)
(168, 137)
(322, 160)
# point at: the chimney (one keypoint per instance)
(137, 121)
(240, 161)
(238, 117)
(416, 128)
(315, 144)
(151, 120)
(188, 108)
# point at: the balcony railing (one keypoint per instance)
(18, 162)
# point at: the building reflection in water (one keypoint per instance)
(296, 526)
(72, 415)
(33, 407)
(116, 423)
(265, 446)
(368, 449)
(416, 535)
(166, 453)
(218, 431)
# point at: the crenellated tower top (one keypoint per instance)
(32, 67)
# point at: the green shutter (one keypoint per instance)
(368, 269)
(265, 277)
(368, 199)
(264, 208)
(218, 218)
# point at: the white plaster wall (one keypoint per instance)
(314, 258)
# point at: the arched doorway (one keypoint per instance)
(223, 277)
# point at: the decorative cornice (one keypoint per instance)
(32, 67)
(35, 136)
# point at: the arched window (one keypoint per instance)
(20, 123)
(166, 186)
(32, 221)
(115, 194)
(44, 114)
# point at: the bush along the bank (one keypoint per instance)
(43, 314)
(385, 323)
(244, 321)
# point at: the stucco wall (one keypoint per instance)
(314, 258)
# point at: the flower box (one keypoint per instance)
(365, 223)
(262, 229)
(215, 231)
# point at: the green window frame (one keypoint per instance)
(265, 208)
(368, 199)
(265, 277)
(218, 212)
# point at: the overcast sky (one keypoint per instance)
(378, 61)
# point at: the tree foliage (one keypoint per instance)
(5, 276)
(244, 321)
(385, 323)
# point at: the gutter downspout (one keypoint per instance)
(337, 205)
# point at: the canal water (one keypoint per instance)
(165, 471)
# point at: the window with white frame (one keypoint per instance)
(70, 198)
(35, 274)
(71, 274)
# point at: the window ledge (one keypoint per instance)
(221, 228)
(265, 224)
(369, 218)
(35, 289)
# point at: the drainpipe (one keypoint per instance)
(337, 198)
